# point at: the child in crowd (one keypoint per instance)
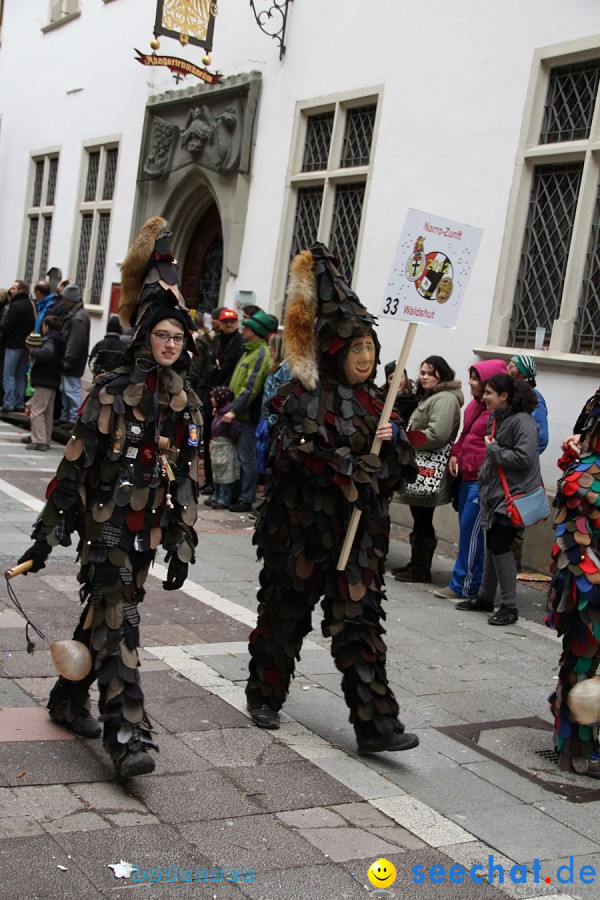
(46, 353)
(406, 398)
(279, 374)
(223, 450)
(106, 355)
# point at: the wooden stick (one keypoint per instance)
(376, 446)
(19, 569)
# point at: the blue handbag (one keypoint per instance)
(527, 508)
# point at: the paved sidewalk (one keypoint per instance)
(294, 813)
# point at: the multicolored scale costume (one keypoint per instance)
(127, 485)
(574, 599)
(321, 467)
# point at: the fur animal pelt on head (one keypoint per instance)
(134, 266)
(299, 320)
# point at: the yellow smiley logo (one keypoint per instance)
(381, 873)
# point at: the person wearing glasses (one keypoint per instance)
(127, 484)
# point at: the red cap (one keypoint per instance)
(228, 315)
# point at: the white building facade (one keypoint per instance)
(488, 114)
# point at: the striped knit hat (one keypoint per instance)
(527, 367)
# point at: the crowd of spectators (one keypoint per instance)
(44, 345)
(238, 369)
(238, 359)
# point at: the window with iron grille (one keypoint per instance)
(38, 221)
(345, 225)
(553, 281)
(358, 135)
(332, 162)
(308, 214)
(545, 250)
(570, 102)
(95, 210)
(586, 335)
(317, 142)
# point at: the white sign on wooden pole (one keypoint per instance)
(430, 271)
(426, 286)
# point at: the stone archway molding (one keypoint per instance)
(196, 150)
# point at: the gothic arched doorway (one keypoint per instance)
(203, 264)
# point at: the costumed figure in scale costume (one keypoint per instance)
(574, 598)
(321, 467)
(127, 484)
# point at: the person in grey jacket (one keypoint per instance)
(512, 443)
(76, 332)
(435, 421)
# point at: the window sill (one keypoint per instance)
(94, 309)
(54, 25)
(545, 359)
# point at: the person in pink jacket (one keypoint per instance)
(466, 458)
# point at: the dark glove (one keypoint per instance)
(39, 553)
(176, 575)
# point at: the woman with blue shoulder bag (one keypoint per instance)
(511, 456)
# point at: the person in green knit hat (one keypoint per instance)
(247, 384)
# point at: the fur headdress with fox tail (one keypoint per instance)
(322, 313)
(150, 282)
(299, 320)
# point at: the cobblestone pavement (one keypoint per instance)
(293, 813)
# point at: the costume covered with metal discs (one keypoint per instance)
(574, 597)
(321, 466)
(127, 485)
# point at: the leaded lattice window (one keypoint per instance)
(586, 335)
(98, 190)
(31, 244)
(345, 226)
(570, 102)
(319, 129)
(554, 281)
(100, 257)
(38, 183)
(38, 221)
(51, 187)
(545, 250)
(306, 220)
(91, 181)
(332, 168)
(358, 135)
(110, 173)
(83, 256)
(46, 232)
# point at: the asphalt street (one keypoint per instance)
(233, 811)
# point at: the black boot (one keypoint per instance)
(400, 570)
(484, 601)
(419, 570)
(264, 716)
(475, 604)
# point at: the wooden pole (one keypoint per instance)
(376, 446)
